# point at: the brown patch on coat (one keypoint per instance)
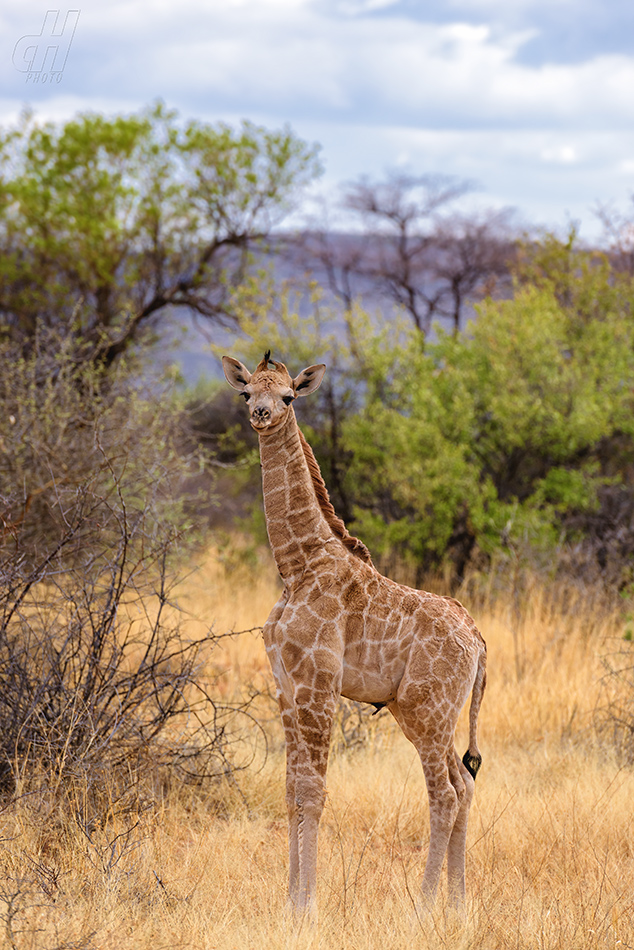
(409, 604)
(354, 628)
(355, 597)
(291, 655)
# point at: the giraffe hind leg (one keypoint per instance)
(444, 807)
(432, 740)
(464, 784)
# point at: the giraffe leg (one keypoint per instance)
(289, 721)
(309, 805)
(293, 831)
(315, 724)
(435, 685)
(307, 746)
(464, 785)
(428, 734)
(443, 810)
(431, 732)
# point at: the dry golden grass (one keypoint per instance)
(551, 841)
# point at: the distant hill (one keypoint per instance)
(185, 336)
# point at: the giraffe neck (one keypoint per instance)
(296, 526)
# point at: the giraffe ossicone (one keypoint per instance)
(341, 628)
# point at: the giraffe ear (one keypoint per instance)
(236, 373)
(309, 379)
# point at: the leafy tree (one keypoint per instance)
(105, 222)
(514, 432)
(518, 433)
(300, 332)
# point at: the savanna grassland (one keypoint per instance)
(551, 841)
(141, 756)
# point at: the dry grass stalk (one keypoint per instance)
(550, 855)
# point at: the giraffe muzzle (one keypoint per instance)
(261, 416)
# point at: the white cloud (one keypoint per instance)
(294, 58)
(356, 7)
(508, 165)
(560, 154)
(285, 56)
(376, 87)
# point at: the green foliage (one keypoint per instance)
(499, 432)
(507, 436)
(301, 332)
(131, 214)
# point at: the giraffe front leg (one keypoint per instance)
(305, 795)
(309, 778)
(289, 723)
(309, 805)
(293, 827)
(304, 803)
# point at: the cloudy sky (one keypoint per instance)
(531, 99)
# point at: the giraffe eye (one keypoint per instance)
(247, 396)
(287, 400)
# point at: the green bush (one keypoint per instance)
(518, 434)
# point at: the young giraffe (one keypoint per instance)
(342, 629)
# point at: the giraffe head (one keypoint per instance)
(270, 390)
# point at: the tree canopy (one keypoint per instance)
(517, 434)
(105, 222)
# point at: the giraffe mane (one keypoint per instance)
(335, 523)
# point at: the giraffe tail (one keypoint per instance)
(472, 760)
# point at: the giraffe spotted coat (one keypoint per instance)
(343, 629)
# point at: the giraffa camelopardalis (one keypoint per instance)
(342, 629)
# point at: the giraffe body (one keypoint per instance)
(342, 628)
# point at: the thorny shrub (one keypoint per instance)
(97, 675)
